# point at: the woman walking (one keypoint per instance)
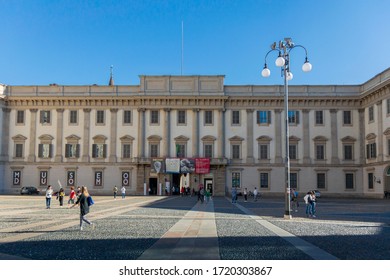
(72, 196)
(84, 208)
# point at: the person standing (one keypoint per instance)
(84, 208)
(207, 195)
(49, 193)
(308, 206)
(123, 191)
(255, 193)
(72, 196)
(312, 201)
(234, 195)
(61, 195)
(246, 195)
(115, 190)
(294, 200)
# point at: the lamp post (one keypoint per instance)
(284, 48)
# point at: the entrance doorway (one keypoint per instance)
(152, 186)
(175, 184)
(208, 184)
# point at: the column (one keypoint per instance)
(249, 136)
(362, 136)
(113, 134)
(278, 136)
(87, 127)
(306, 136)
(33, 135)
(166, 139)
(195, 132)
(5, 135)
(380, 131)
(59, 135)
(334, 138)
(141, 133)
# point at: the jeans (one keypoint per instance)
(48, 200)
(123, 195)
(84, 219)
(313, 208)
(308, 209)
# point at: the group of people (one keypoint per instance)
(246, 193)
(123, 192)
(78, 197)
(204, 194)
(310, 201)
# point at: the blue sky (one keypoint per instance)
(75, 42)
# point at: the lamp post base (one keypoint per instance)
(287, 216)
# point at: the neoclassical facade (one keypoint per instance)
(102, 136)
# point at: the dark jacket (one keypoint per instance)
(84, 208)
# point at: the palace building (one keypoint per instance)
(146, 136)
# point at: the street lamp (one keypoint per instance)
(283, 61)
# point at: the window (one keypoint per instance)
(44, 150)
(208, 150)
(126, 150)
(293, 117)
(293, 151)
(321, 181)
(370, 181)
(236, 179)
(235, 117)
(154, 117)
(264, 181)
(180, 150)
(264, 151)
(371, 114)
(371, 150)
(126, 117)
(294, 180)
(320, 151)
(208, 117)
(236, 151)
(388, 106)
(20, 117)
(99, 150)
(263, 117)
(19, 150)
(388, 147)
(347, 118)
(72, 150)
(153, 150)
(319, 117)
(45, 117)
(73, 117)
(100, 117)
(349, 181)
(348, 152)
(181, 117)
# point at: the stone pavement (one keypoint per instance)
(147, 227)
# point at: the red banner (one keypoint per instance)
(202, 165)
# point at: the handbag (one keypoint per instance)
(90, 201)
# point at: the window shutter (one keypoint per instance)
(297, 117)
(50, 150)
(104, 150)
(94, 150)
(40, 150)
(269, 117)
(41, 116)
(374, 150)
(77, 150)
(257, 117)
(67, 150)
(367, 151)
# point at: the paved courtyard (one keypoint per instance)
(181, 228)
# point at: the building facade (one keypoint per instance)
(102, 136)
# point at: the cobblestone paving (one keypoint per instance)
(125, 228)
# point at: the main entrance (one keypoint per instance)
(153, 186)
(208, 184)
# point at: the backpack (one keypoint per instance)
(90, 201)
